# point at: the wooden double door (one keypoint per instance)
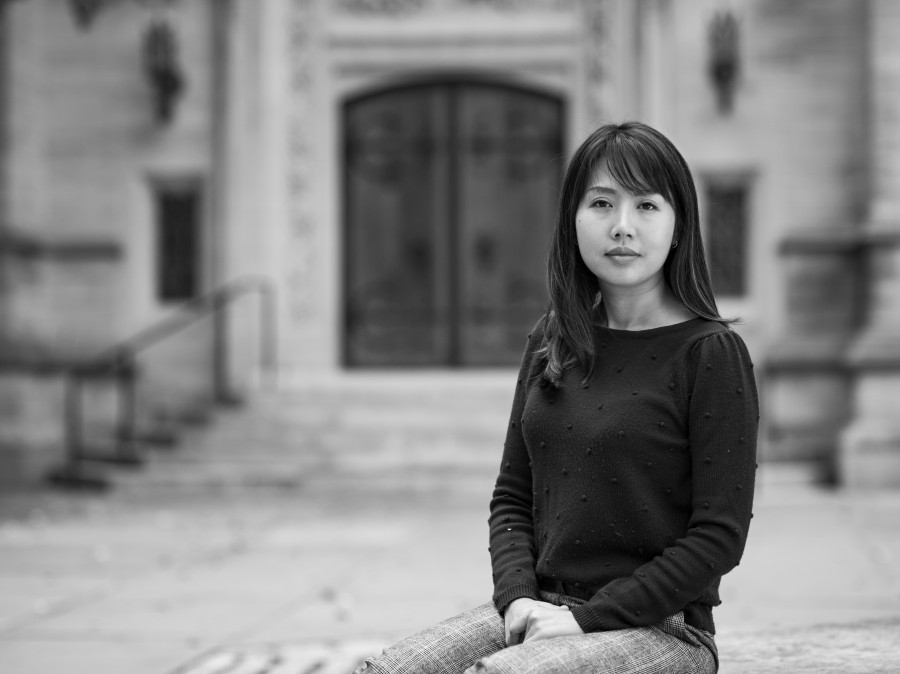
(449, 200)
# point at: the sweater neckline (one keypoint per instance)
(652, 332)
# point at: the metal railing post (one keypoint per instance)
(126, 433)
(268, 348)
(73, 437)
(74, 473)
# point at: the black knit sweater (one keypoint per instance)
(632, 491)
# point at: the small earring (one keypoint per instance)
(674, 244)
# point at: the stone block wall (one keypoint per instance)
(82, 151)
(798, 131)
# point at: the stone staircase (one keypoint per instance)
(388, 432)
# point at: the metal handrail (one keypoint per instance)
(119, 361)
(189, 313)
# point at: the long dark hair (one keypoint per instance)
(641, 160)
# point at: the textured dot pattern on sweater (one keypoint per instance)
(633, 489)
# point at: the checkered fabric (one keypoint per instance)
(474, 642)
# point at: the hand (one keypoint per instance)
(532, 619)
(516, 618)
(547, 623)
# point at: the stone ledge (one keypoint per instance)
(870, 647)
(807, 353)
(821, 242)
(30, 247)
(877, 349)
(847, 241)
(23, 356)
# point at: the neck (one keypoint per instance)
(642, 309)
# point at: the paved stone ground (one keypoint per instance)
(307, 565)
(306, 580)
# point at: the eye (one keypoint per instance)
(601, 203)
(647, 206)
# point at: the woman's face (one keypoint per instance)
(623, 238)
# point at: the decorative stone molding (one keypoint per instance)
(381, 6)
(302, 272)
(519, 5)
(597, 15)
(394, 7)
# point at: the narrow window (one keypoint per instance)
(178, 217)
(727, 219)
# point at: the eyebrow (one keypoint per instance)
(612, 191)
(602, 190)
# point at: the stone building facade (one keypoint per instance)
(389, 167)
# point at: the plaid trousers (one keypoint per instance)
(474, 642)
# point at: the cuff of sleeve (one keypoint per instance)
(507, 596)
(587, 619)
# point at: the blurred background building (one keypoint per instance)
(348, 184)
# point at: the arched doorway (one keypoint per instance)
(450, 196)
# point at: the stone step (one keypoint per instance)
(412, 381)
(377, 432)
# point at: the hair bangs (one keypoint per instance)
(635, 166)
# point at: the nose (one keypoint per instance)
(623, 227)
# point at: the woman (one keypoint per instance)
(626, 482)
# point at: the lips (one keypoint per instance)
(621, 252)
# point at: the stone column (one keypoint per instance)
(4, 97)
(4, 159)
(869, 454)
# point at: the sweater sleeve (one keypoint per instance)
(723, 419)
(512, 543)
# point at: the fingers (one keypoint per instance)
(544, 623)
(530, 630)
(523, 620)
(515, 636)
(515, 621)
